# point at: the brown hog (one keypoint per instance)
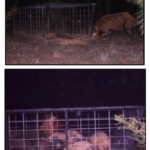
(50, 125)
(99, 140)
(43, 145)
(113, 22)
(83, 145)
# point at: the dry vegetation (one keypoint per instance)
(78, 49)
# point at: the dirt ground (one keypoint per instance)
(78, 49)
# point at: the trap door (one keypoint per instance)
(70, 18)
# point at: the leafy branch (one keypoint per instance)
(139, 14)
(137, 126)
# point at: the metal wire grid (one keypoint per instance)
(29, 20)
(66, 18)
(85, 121)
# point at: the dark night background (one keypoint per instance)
(56, 88)
(115, 5)
(103, 7)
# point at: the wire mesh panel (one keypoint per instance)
(68, 128)
(29, 20)
(64, 18)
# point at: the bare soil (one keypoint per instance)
(78, 49)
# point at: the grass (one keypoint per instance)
(78, 49)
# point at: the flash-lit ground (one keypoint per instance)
(56, 49)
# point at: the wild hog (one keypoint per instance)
(113, 22)
(59, 138)
(43, 145)
(50, 125)
(19, 143)
(83, 145)
(100, 140)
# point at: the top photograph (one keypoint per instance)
(74, 32)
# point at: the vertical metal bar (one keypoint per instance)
(80, 21)
(98, 121)
(39, 19)
(15, 127)
(88, 125)
(29, 31)
(51, 121)
(60, 21)
(50, 19)
(95, 126)
(34, 21)
(87, 19)
(23, 20)
(73, 20)
(52, 13)
(76, 20)
(64, 21)
(30, 20)
(36, 14)
(19, 21)
(57, 123)
(56, 19)
(68, 22)
(26, 126)
(84, 20)
(27, 20)
(37, 129)
(66, 127)
(109, 127)
(9, 129)
(25, 28)
(80, 126)
(7, 124)
(43, 19)
(124, 138)
(23, 131)
(46, 22)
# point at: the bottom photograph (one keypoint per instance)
(75, 109)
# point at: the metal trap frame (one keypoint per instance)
(61, 127)
(65, 18)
